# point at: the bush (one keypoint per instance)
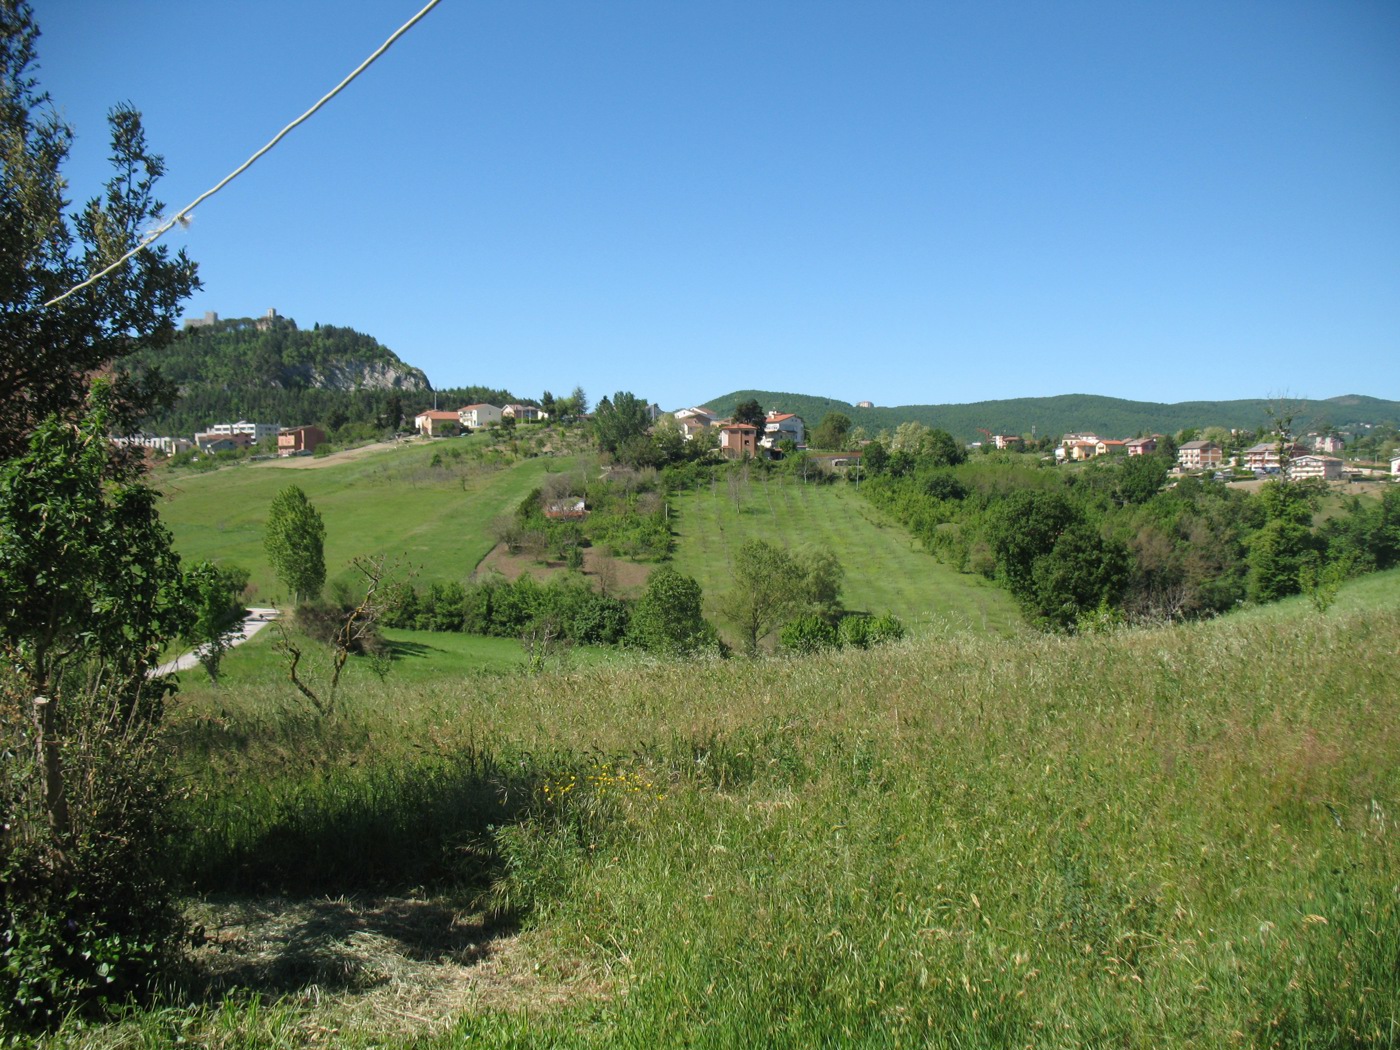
(808, 634)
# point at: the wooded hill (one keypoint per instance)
(1106, 416)
(270, 370)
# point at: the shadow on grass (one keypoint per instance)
(414, 649)
(345, 829)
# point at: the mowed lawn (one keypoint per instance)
(886, 569)
(393, 502)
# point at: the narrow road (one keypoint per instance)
(255, 621)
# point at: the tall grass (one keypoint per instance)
(1180, 837)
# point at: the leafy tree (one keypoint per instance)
(668, 617)
(1022, 527)
(90, 590)
(941, 448)
(750, 412)
(295, 543)
(548, 405)
(1082, 573)
(772, 584)
(47, 354)
(1141, 477)
(217, 609)
(578, 403)
(875, 458)
(768, 590)
(619, 421)
(822, 576)
(831, 431)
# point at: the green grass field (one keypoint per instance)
(886, 570)
(391, 502)
(1173, 837)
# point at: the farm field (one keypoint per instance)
(1170, 837)
(394, 501)
(886, 570)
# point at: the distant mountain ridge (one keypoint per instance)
(1106, 416)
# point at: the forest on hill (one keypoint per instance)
(270, 370)
(1066, 413)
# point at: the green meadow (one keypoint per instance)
(1179, 836)
(393, 501)
(1182, 837)
(886, 569)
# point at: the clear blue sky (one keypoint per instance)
(911, 203)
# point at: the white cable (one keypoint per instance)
(182, 216)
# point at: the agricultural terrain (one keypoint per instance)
(395, 501)
(1179, 836)
(886, 570)
(440, 518)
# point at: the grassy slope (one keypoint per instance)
(885, 569)
(392, 502)
(1178, 837)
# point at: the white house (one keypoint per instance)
(477, 416)
(1395, 466)
(781, 426)
(523, 413)
(1329, 468)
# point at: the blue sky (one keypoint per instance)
(909, 203)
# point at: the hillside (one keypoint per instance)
(270, 370)
(1073, 412)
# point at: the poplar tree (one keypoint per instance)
(295, 544)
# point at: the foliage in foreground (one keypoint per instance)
(90, 591)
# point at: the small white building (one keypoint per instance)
(477, 416)
(259, 432)
(523, 413)
(780, 426)
(1395, 466)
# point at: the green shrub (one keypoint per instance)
(808, 634)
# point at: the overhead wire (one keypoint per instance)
(182, 216)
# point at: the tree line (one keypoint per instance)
(1113, 540)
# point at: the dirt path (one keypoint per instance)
(255, 621)
(316, 462)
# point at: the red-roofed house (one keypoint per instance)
(434, 423)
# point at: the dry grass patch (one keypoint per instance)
(390, 965)
(627, 578)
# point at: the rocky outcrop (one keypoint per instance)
(357, 375)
